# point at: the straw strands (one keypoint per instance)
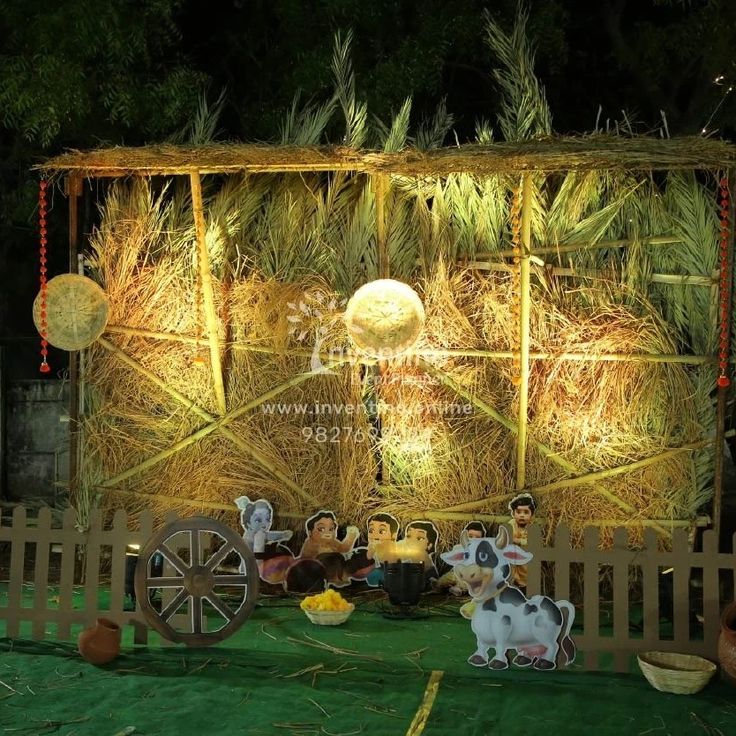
(447, 435)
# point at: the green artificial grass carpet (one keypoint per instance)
(280, 674)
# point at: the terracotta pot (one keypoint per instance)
(727, 643)
(100, 643)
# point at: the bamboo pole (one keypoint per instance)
(722, 396)
(380, 183)
(586, 478)
(544, 269)
(572, 247)
(74, 189)
(545, 451)
(173, 500)
(203, 261)
(524, 316)
(258, 456)
(443, 353)
(232, 415)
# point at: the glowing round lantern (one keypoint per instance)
(76, 311)
(384, 317)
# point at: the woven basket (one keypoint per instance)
(329, 618)
(682, 674)
(76, 311)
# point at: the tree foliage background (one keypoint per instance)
(85, 73)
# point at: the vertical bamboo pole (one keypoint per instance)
(524, 313)
(723, 390)
(208, 298)
(380, 183)
(73, 190)
(380, 191)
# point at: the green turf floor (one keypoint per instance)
(276, 677)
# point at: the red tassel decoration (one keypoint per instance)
(44, 367)
(724, 344)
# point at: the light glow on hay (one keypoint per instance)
(384, 318)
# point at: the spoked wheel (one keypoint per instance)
(192, 583)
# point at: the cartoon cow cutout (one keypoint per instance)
(503, 617)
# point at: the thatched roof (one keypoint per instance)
(554, 154)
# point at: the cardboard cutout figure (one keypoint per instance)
(522, 508)
(323, 557)
(424, 534)
(502, 616)
(272, 557)
(449, 581)
(365, 563)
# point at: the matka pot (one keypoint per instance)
(100, 643)
(727, 643)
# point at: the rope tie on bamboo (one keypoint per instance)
(42, 261)
(515, 217)
(724, 342)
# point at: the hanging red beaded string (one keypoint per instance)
(43, 184)
(724, 342)
(515, 217)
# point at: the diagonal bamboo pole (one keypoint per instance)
(218, 424)
(215, 505)
(587, 478)
(203, 261)
(258, 456)
(524, 316)
(539, 446)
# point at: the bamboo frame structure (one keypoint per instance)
(203, 263)
(554, 155)
(524, 316)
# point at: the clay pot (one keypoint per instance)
(100, 643)
(727, 643)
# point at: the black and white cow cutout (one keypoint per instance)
(503, 617)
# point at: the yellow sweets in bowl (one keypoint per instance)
(327, 609)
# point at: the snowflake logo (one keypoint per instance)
(314, 313)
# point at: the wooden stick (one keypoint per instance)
(524, 316)
(539, 446)
(189, 404)
(722, 396)
(571, 247)
(208, 298)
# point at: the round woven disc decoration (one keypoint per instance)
(76, 311)
(384, 317)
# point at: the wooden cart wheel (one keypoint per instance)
(196, 580)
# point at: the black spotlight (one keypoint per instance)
(404, 582)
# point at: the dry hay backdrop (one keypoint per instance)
(298, 246)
